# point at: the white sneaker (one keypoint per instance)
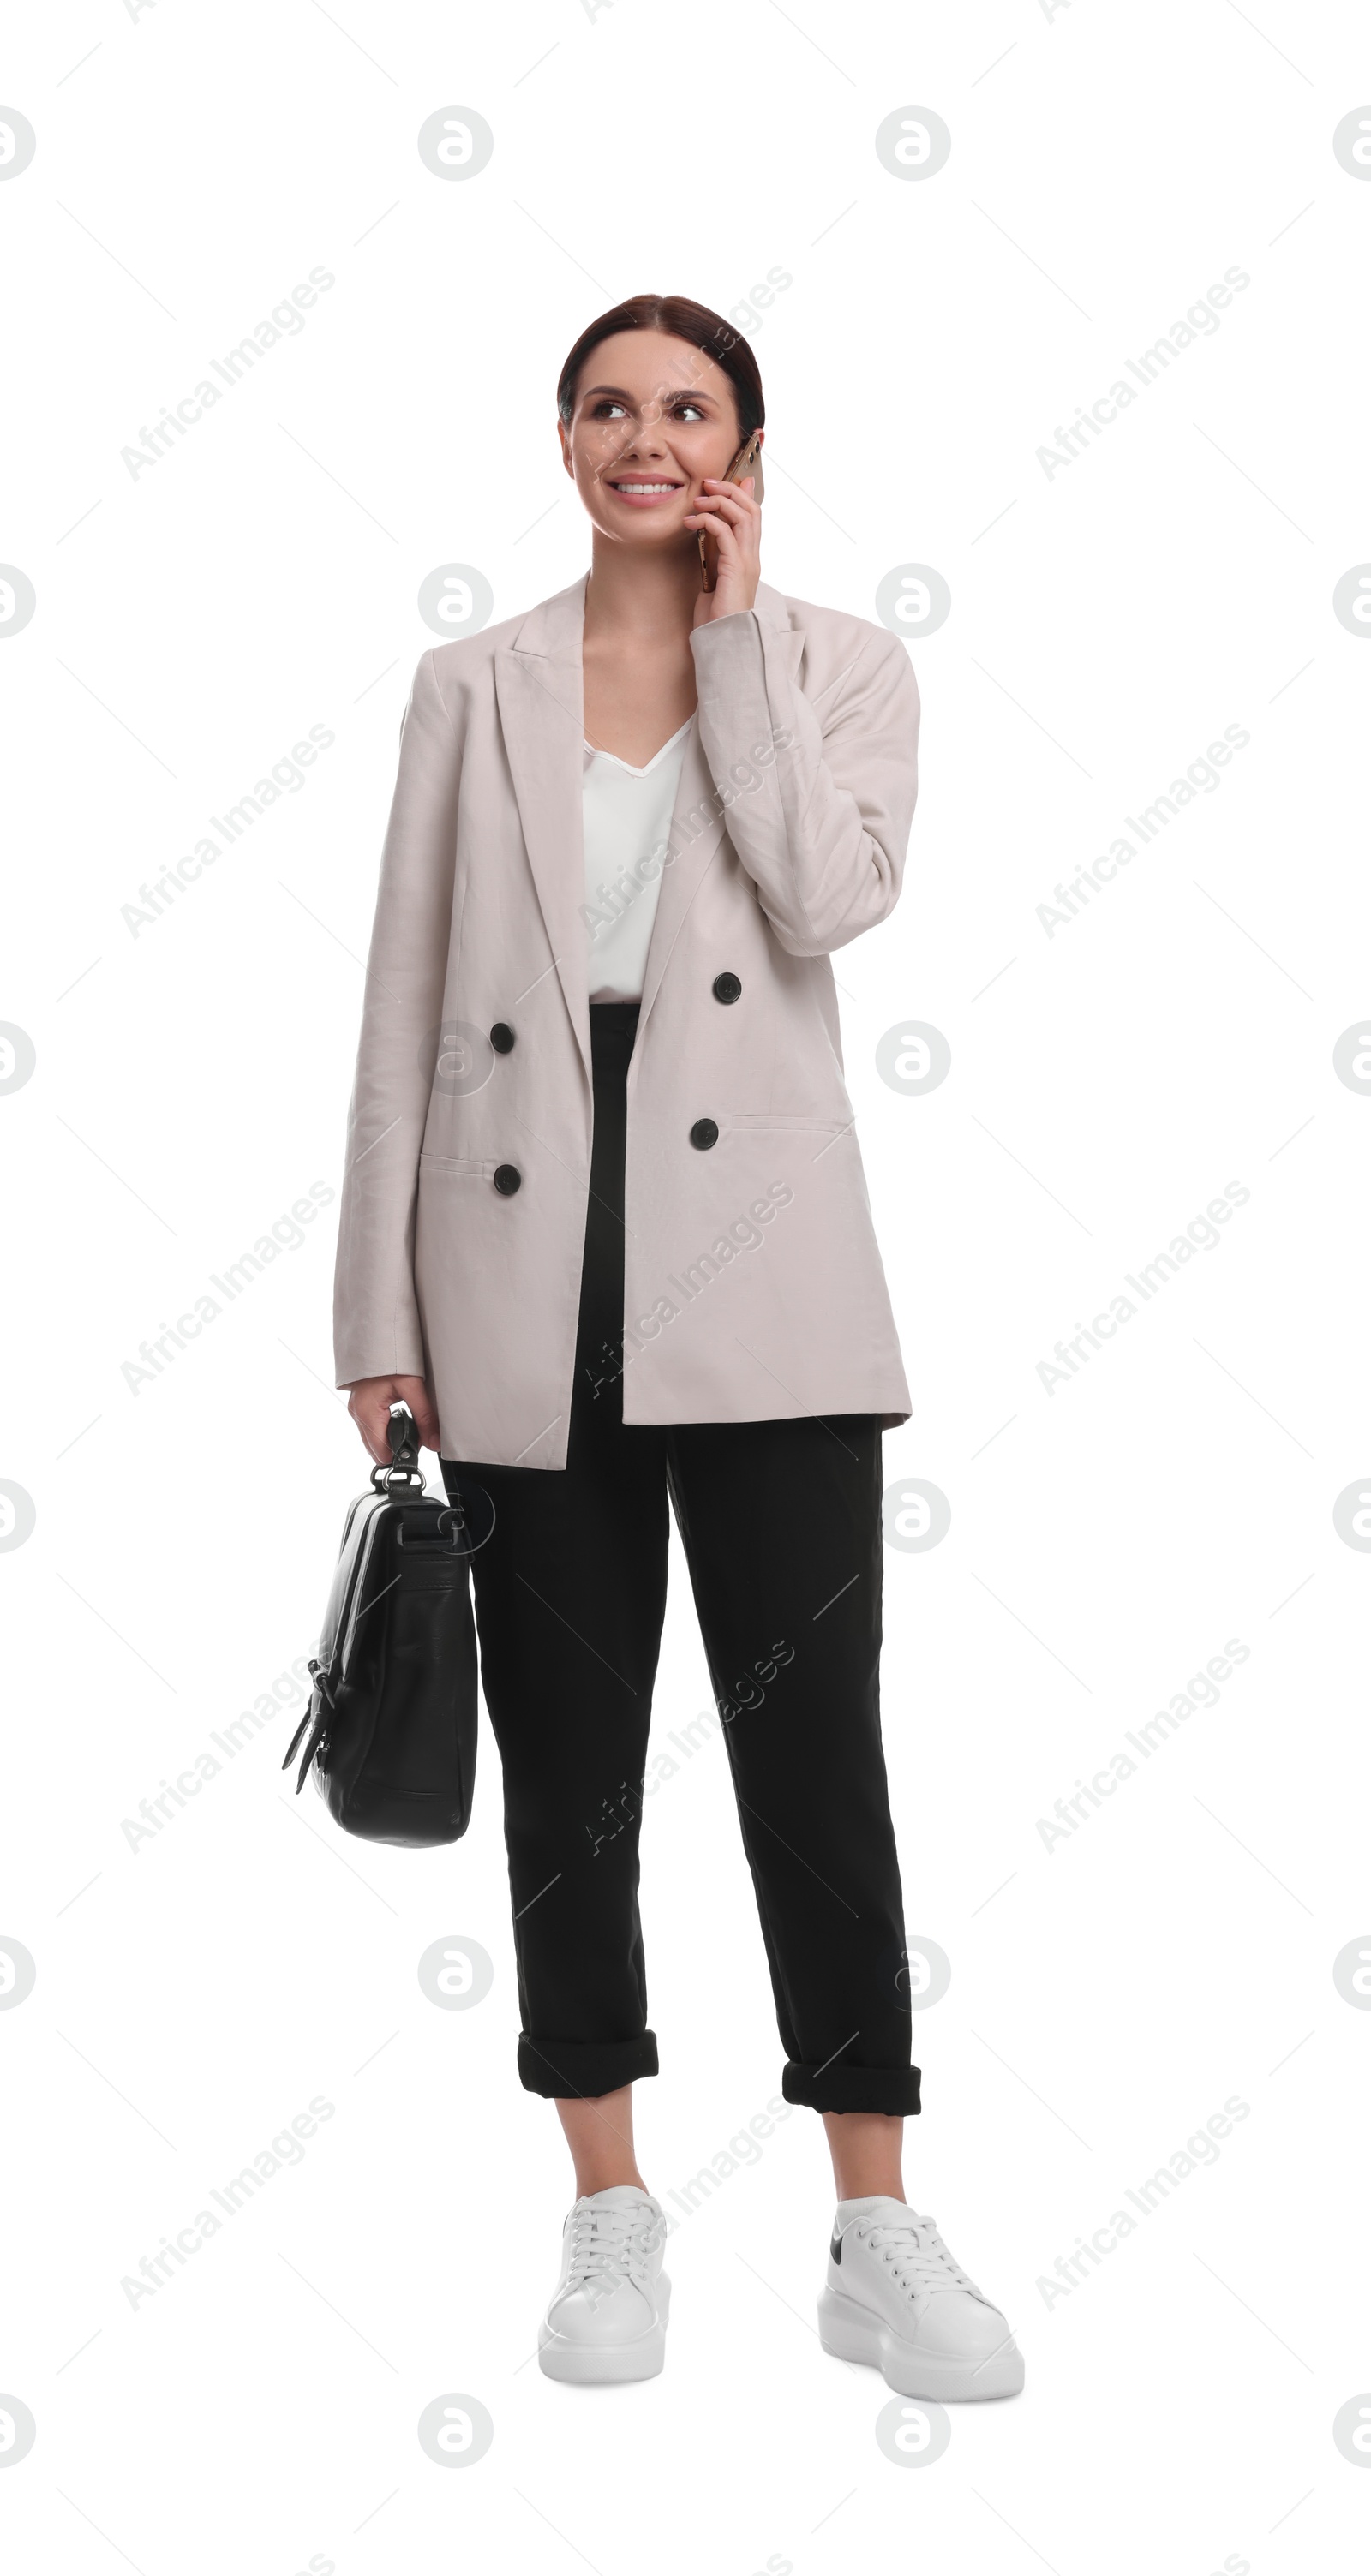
(896, 2298)
(606, 2318)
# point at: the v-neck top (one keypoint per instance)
(626, 813)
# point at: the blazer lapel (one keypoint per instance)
(694, 839)
(539, 689)
(699, 819)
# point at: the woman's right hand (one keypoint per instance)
(369, 1403)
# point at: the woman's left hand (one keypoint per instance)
(734, 522)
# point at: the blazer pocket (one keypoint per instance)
(450, 1167)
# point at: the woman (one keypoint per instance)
(605, 1232)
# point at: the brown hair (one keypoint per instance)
(684, 320)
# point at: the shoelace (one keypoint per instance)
(610, 2245)
(916, 2254)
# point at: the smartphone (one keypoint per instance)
(747, 461)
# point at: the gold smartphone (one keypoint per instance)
(747, 461)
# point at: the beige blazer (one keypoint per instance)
(753, 1285)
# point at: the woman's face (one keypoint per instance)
(653, 416)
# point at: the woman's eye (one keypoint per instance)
(608, 408)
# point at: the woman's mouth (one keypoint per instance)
(643, 491)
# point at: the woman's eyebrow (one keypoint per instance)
(684, 393)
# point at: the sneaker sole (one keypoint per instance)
(851, 2333)
(596, 2365)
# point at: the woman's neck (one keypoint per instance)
(648, 597)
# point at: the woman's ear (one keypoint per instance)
(566, 446)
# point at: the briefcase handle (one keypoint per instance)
(404, 1474)
(403, 1480)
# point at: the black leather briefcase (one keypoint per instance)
(391, 1723)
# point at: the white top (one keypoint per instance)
(627, 813)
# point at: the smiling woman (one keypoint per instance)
(657, 403)
(730, 776)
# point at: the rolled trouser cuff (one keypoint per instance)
(579, 2069)
(891, 2089)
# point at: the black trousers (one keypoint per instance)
(781, 1527)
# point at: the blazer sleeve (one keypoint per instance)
(376, 1328)
(823, 830)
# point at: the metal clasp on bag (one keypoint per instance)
(399, 1480)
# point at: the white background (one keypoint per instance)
(1108, 1995)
